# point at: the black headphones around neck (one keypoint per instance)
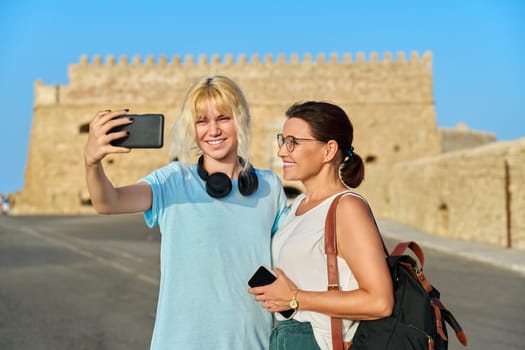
(218, 185)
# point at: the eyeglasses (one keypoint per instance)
(289, 141)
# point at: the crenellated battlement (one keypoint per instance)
(342, 77)
(242, 59)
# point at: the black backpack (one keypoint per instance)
(418, 318)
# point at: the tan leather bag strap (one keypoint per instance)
(330, 247)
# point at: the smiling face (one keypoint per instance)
(215, 131)
(306, 159)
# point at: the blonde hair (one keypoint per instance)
(227, 98)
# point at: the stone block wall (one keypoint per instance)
(475, 195)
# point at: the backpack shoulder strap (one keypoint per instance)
(330, 247)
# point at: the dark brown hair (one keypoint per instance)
(330, 122)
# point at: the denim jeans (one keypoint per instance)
(293, 335)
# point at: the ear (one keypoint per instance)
(331, 149)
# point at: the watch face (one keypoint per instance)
(293, 304)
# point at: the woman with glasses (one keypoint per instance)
(316, 149)
(216, 216)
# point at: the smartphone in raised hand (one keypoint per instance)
(146, 131)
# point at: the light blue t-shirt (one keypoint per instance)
(209, 249)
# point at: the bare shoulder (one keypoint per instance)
(353, 203)
(354, 216)
(357, 231)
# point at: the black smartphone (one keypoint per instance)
(146, 131)
(264, 276)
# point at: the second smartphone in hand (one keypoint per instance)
(264, 276)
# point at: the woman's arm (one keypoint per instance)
(106, 198)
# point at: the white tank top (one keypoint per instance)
(298, 249)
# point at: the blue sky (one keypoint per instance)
(478, 48)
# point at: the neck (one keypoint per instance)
(323, 185)
(320, 194)
(317, 193)
(229, 166)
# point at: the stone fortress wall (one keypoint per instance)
(475, 194)
(390, 101)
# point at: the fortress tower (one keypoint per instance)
(390, 102)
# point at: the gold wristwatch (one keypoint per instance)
(293, 302)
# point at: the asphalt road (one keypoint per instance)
(91, 282)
